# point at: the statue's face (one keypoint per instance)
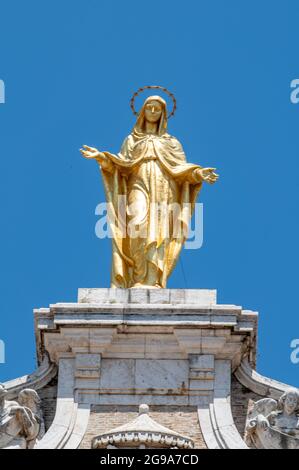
(153, 111)
(290, 403)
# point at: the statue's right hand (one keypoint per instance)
(92, 153)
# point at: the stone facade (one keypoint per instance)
(183, 419)
(188, 358)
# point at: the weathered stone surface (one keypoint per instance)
(241, 400)
(274, 424)
(163, 347)
(145, 296)
(118, 374)
(48, 396)
(161, 374)
(140, 375)
(204, 362)
(173, 349)
(217, 424)
(21, 421)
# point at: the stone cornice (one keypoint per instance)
(37, 380)
(199, 326)
(257, 383)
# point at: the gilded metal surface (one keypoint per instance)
(151, 175)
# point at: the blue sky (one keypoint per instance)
(70, 69)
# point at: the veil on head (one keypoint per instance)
(140, 122)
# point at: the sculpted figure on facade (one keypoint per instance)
(21, 422)
(274, 424)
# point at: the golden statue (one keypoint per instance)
(149, 173)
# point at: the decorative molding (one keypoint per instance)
(37, 380)
(257, 383)
(71, 419)
(142, 431)
(105, 321)
(216, 420)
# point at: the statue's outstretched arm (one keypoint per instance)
(92, 153)
(205, 174)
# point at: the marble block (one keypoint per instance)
(147, 296)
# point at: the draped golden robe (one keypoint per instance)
(150, 171)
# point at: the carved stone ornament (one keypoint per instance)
(21, 422)
(274, 424)
(142, 432)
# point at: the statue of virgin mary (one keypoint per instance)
(151, 191)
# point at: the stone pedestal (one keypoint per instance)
(124, 347)
(176, 352)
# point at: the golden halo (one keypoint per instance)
(153, 87)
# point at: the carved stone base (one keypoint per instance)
(172, 349)
(155, 346)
